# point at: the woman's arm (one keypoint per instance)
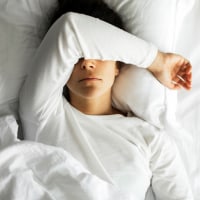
(71, 37)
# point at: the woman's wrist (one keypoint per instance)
(172, 70)
(157, 66)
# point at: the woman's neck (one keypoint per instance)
(94, 106)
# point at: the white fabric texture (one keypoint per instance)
(171, 25)
(22, 23)
(25, 174)
(137, 90)
(126, 152)
(8, 131)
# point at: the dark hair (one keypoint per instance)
(94, 8)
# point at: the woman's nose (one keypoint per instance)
(88, 64)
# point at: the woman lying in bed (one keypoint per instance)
(82, 53)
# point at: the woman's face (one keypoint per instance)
(92, 78)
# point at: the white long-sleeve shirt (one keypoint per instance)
(125, 151)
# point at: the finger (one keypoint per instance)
(189, 77)
(187, 86)
(181, 78)
(180, 73)
(181, 82)
(184, 77)
(176, 80)
(175, 85)
(185, 83)
(188, 69)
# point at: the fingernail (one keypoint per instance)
(181, 78)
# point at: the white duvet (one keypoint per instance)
(34, 171)
(31, 170)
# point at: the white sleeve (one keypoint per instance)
(71, 37)
(169, 178)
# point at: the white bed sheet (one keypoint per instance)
(187, 42)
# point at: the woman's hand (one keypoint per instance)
(172, 70)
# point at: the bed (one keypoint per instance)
(173, 26)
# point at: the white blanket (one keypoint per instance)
(30, 171)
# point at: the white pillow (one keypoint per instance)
(153, 21)
(20, 34)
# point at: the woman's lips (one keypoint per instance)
(90, 79)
